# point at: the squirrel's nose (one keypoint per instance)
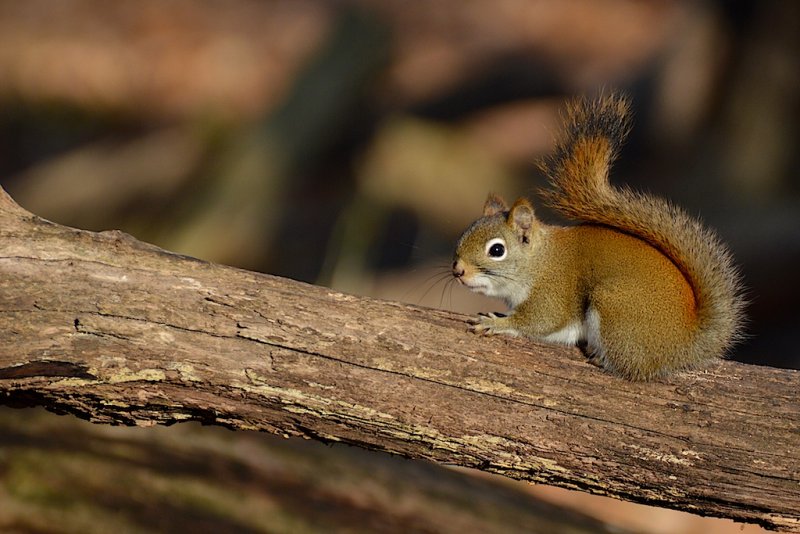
(458, 269)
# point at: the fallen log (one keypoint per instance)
(117, 331)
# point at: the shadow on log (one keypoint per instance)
(117, 331)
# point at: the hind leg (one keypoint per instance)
(635, 334)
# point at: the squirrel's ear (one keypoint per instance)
(522, 220)
(494, 205)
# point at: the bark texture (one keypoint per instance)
(117, 331)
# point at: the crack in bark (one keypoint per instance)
(46, 368)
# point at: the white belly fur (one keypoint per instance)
(571, 334)
(587, 330)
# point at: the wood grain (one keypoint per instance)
(117, 331)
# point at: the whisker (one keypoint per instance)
(439, 270)
(441, 295)
(439, 273)
(450, 285)
(440, 277)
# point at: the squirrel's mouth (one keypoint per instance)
(472, 278)
(467, 276)
(477, 283)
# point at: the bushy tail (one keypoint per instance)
(578, 173)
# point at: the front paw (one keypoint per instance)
(490, 324)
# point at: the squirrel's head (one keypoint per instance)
(493, 253)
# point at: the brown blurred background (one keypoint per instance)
(349, 143)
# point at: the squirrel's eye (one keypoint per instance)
(496, 249)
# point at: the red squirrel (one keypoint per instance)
(644, 287)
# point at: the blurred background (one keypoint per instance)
(348, 144)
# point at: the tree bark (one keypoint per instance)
(117, 331)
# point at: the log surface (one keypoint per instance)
(117, 331)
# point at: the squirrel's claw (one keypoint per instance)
(489, 324)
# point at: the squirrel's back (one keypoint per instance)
(578, 174)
